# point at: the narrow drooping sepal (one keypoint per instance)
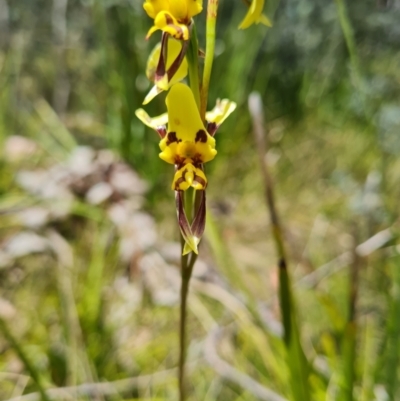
(199, 222)
(158, 123)
(190, 240)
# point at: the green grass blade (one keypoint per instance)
(393, 332)
(297, 362)
(30, 367)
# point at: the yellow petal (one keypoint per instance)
(254, 15)
(194, 7)
(169, 152)
(189, 176)
(182, 10)
(155, 122)
(221, 111)
(153, 7)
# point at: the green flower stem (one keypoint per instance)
(212, 10)
(24, 358)
(193, 62)
(187, 263)
(186, 273)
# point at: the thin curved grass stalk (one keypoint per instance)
(350, 333)
(298, 365)
(24, 358)
(230, 373)
(393, 332)
(91, 390)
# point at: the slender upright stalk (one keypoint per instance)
(348, 33)
(187, 268)
(296, 360)
(212, 10)
(350, 331)
(187, 261)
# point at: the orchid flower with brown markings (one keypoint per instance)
(188, 143)
(174, 19)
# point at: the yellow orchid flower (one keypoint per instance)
(187, 143)
(255, 15)
(172, 71)
(172, 16)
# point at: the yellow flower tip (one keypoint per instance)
(163, 83)
(189, 248)
(154, 91)
(151, 31)
(254, 15)
(265, 21)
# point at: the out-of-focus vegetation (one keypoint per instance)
(89, 257)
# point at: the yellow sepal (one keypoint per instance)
(155, 122)
(254, 15)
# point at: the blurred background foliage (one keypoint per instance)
(72, 73)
